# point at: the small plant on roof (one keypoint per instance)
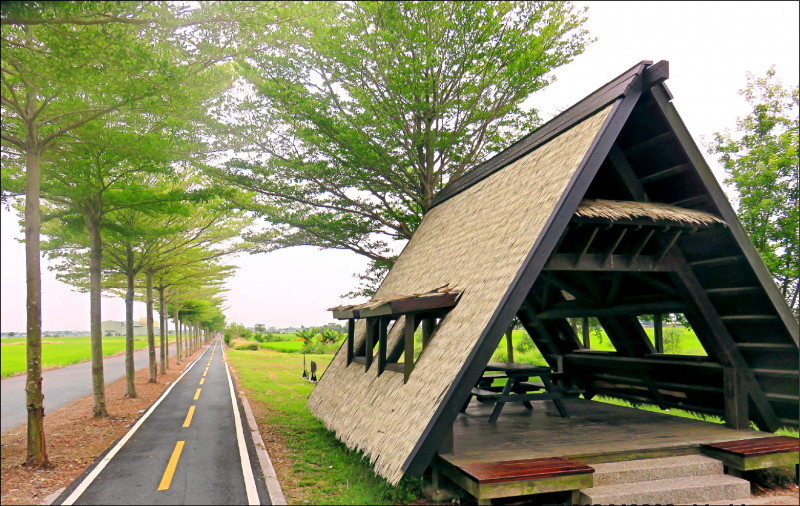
(307, 335)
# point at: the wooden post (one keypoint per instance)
(351, 324)
(736, 415)
(510, 344)
(585, 330)
(383, 324)
(447, 443)
(408, 360)
(428, 326)
(658, 332)
(370, 343)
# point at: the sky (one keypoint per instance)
(710, 48)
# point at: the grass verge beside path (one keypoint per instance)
(312, 465)
(60, 351)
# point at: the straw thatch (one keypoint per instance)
(476, 241)
(619, 210)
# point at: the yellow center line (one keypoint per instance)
(206, 372)
(189, 415)
(173, 463)
(202, 380)
(197, 394)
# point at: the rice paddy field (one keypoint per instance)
(58, 351)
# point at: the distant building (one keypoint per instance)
(114, 328)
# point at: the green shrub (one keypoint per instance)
(258, 337)
(319, 348)
(251, 346)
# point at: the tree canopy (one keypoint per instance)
(362, 113)
(761, 162)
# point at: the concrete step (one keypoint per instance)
(632, 471)
(688, 490)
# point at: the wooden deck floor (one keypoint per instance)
(595, 432)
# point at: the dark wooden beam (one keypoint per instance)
(614, 289)
(510, 344)
(655, 283)
(720, 201)
(370, 343)
(585, 332)
(600, 262)
(717, 261)
(733, 290)
(662, 174)
(586, 246)
(614, 246)
(351, 324)
(691, 201)
(656, 74)
(408, 338)
(642, 243)
(428, 326)
(625, 172)
(399, 307)
(668, 244)
(722, 343)
(383, 323)
(736, 415)
(658, 332)
(648, 144)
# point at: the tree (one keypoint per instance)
(761, 162)
(64, 65)
(360, 118)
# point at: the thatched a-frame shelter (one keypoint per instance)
(608, 211)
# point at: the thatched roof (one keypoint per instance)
(477, 241)
(624, 210)
(491, 233)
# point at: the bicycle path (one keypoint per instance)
(64, 385)
(190, 447)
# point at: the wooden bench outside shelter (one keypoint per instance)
(759, 453)
(494, 480)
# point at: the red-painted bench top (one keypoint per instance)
(526, 469)
(757, 446)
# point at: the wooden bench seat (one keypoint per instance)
(493, 480)
(758, 453)
(565, 391)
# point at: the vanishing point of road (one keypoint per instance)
(188, 448)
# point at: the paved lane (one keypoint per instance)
(64, 385)
(189, 448)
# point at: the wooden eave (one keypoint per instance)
(402, 306)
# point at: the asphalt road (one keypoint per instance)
(189, 448)
(62, 386)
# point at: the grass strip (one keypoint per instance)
(312, 465)
(59, 351)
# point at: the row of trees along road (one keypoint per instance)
(77, 78)
(341, 121)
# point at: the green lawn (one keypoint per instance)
(58, 351)
(325, 471)
(284, 346)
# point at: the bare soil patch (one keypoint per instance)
(74, 439)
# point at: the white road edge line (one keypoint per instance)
(244, 457)
(80, 489)
(274, 490)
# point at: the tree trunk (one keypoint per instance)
(162, 327)
(95, 316)
(37, 452)
(151, 339)
(177, 337)
(130, 372)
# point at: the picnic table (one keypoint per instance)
(518, 387)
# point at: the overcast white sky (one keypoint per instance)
(710, 47)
